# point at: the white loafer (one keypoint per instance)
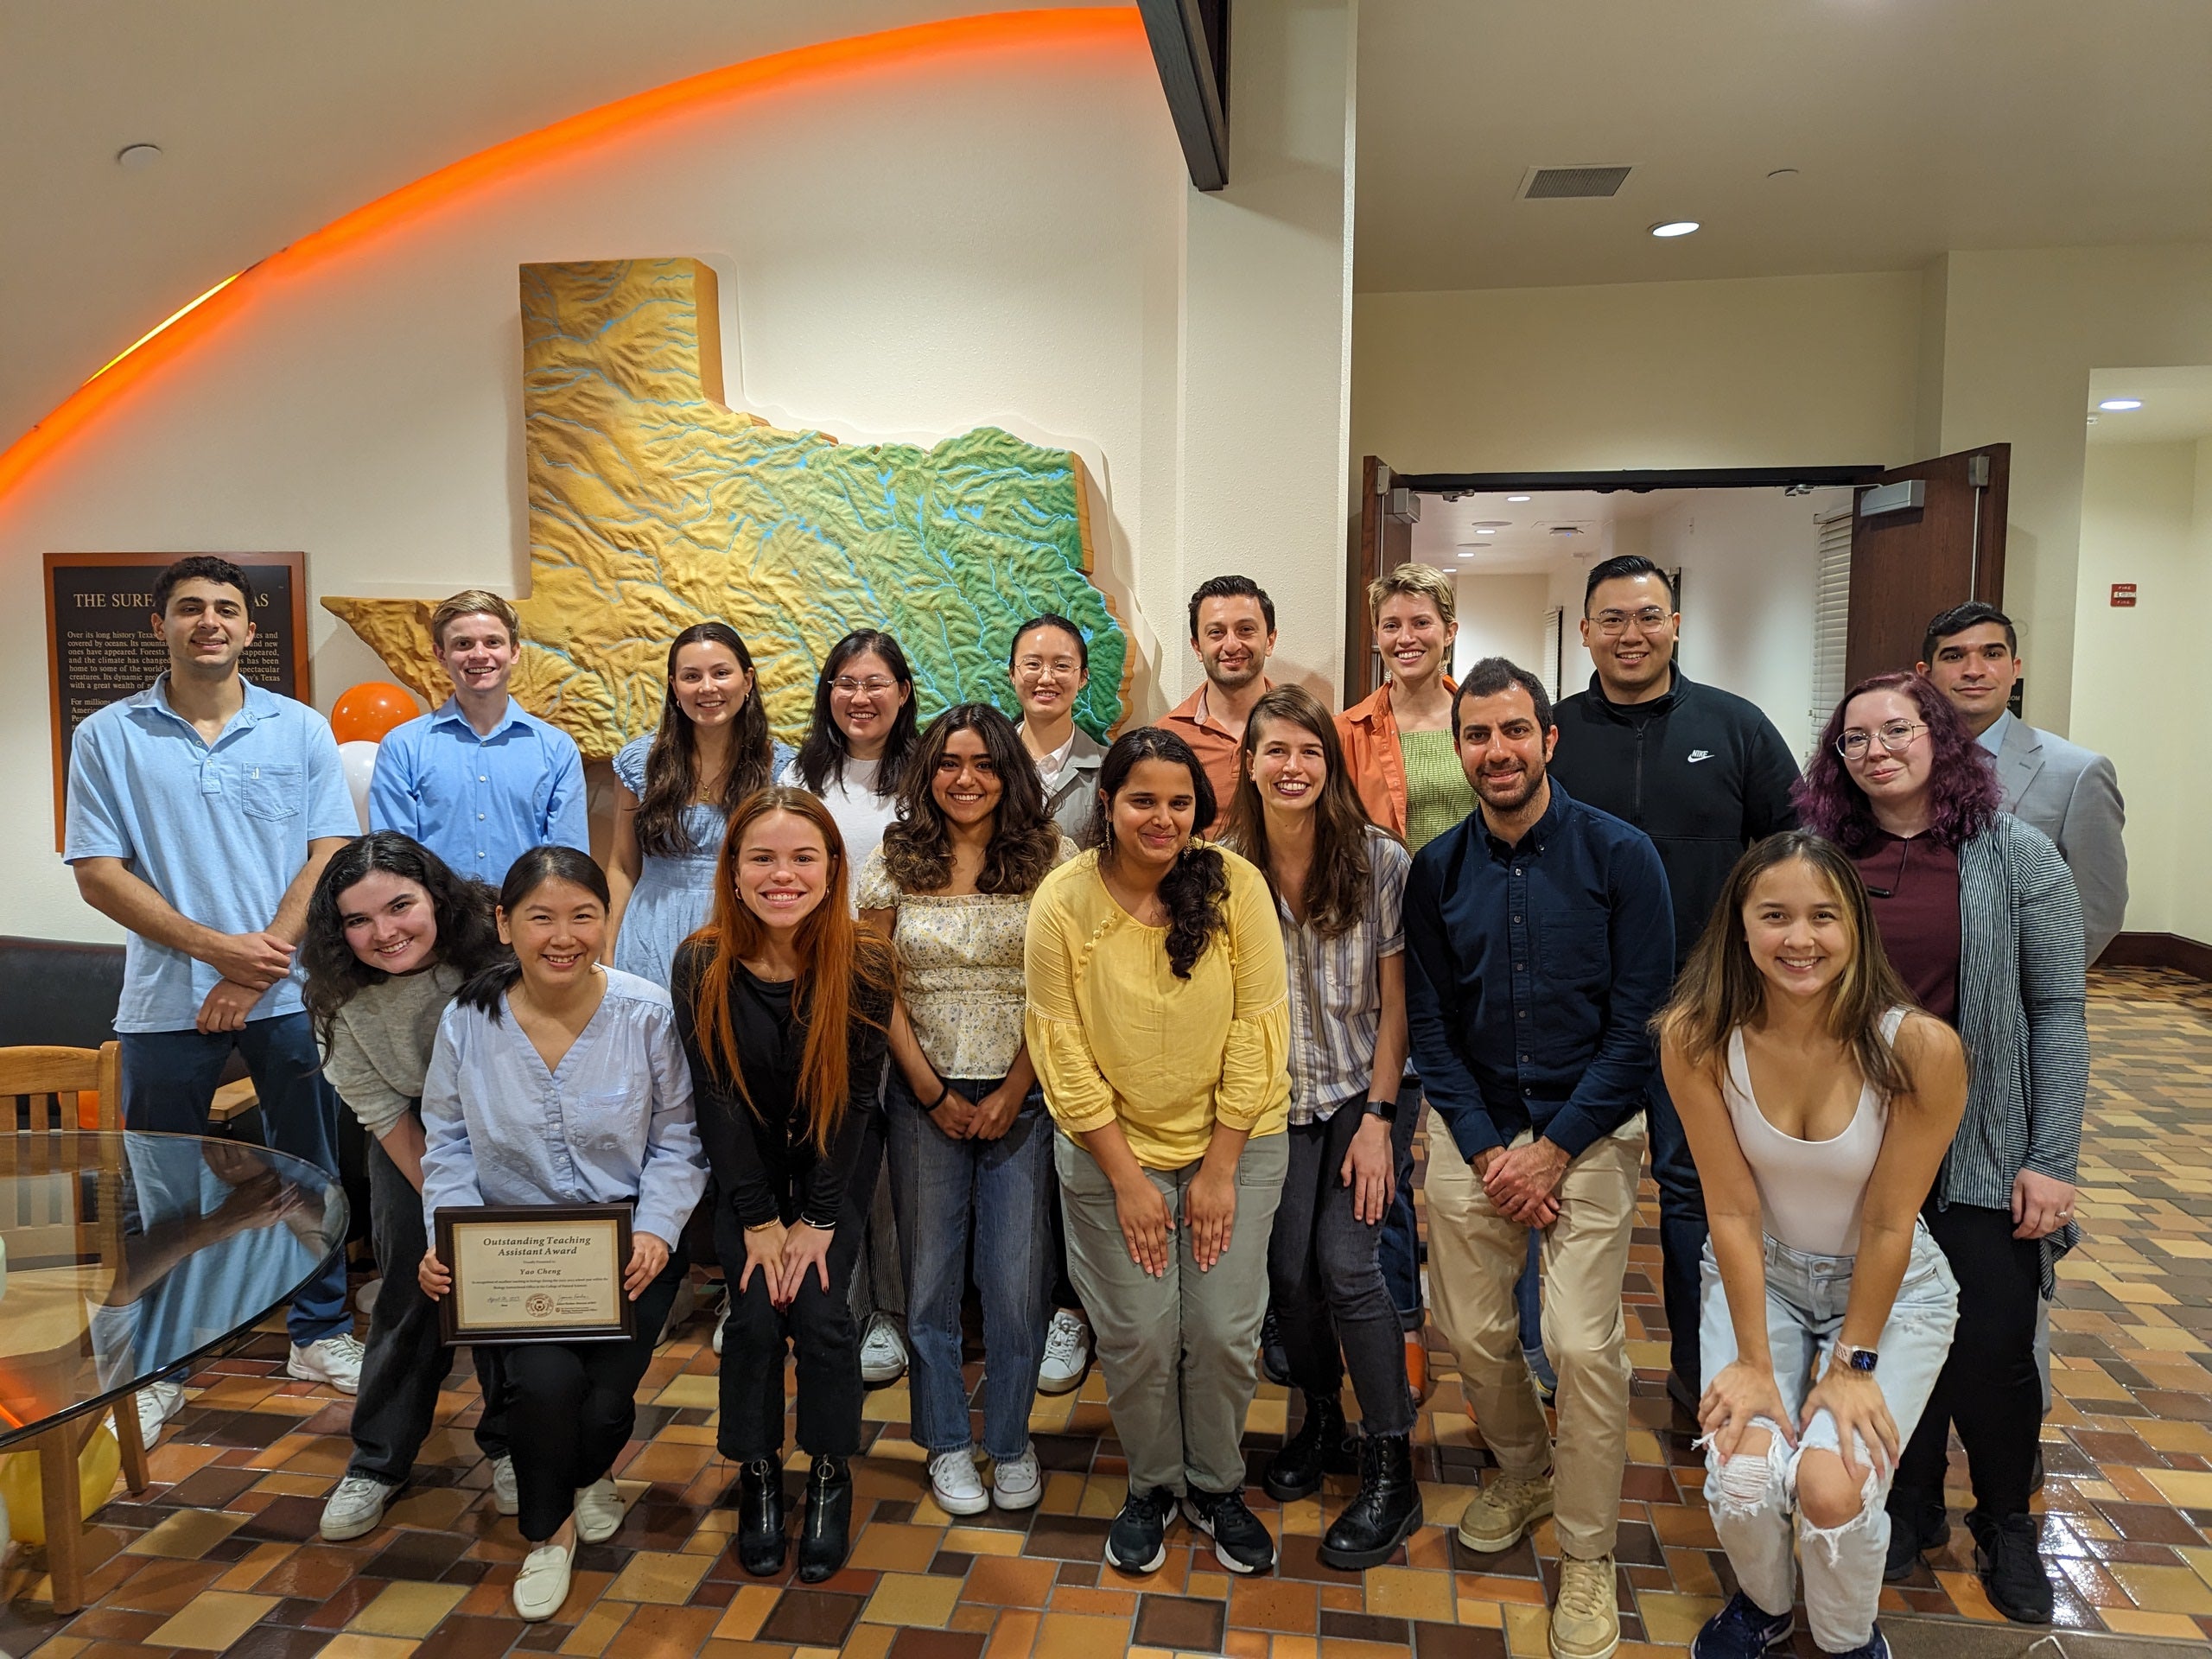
(543, 1584)
(599, 1511)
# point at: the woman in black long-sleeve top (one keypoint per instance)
(782, 1004)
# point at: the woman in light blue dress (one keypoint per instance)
(676, 790)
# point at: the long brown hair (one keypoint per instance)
(917, 847)
(672, 762)
(1721, 988)
(836, 956)
(1340, 881)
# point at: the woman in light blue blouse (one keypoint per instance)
(675, 791)
(557, 1081)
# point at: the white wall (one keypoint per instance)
(1006, 237)
(2146, 517)
(1501, 616)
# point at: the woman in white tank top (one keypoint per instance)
(1818, 1104)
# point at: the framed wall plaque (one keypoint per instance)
(100, 643)
(536, 1272)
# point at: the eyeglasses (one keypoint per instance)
(1612, 624)
(875, 685)
(1033, 668)
(1896, 737)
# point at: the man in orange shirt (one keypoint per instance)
(1232, 632)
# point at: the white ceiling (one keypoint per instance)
(274, 117)
(1917, 126)
(2177, 405)
(1522, 539)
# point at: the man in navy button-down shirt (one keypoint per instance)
(1539, 943)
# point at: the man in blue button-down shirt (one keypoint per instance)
(200, 813)
(1539, 943)
(481, 780)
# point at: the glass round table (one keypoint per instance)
(126, 1258)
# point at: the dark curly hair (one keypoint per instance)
(672, 762)
(468, 938)
(917, 846)
(1963, 794)
(1197, 885)
(823, 755)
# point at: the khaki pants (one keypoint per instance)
(1474, 1257)
(1181, 1352)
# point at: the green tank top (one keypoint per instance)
(1437, 793)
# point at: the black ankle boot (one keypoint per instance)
(1317, 1449)
(760, 1517)
(1386, 1512)
(825, 1536)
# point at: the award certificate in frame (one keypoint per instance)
(536, 1272)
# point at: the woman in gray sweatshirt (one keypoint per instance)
(391, 933)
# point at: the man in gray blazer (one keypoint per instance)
(2068, 792)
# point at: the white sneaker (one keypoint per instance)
(506, 1496)
(543, 1584)
(721, 1318)
(883, 1353)
(364, 1298)
(1018, 1484)
(355, 1508)
(955, 1484)
(336, 1360)
(157, 1402)
(599, 1510)
(1067, 1352)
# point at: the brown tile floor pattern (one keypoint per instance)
(221, 1555)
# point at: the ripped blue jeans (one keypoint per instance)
(1754, 1498)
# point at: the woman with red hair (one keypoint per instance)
(1980, 919)
(783, 1004)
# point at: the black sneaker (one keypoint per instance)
(1137, 1541)
(1240, 1543)
(1743, 1629)
(1917, 1525)
(2007, 1554)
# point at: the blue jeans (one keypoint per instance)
(1682, 1230)
(168, 1084)
(945, 1191)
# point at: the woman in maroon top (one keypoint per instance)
(1979, 915)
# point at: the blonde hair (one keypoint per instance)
(472, 602)
(1416, 582)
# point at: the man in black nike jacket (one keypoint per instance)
(1704, 773)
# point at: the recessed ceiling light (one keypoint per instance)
(1466, 549)
(1485, 529)
(2121, 402)
(1668, 227)
(135, 156)
(1520, 498)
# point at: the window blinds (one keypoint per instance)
(1831, 619)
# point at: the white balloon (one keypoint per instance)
(359, 759)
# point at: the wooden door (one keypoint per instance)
(1911, 564)
(1387, 513)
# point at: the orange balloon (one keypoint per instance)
(372, 709)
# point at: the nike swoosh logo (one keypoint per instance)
(1697, 755)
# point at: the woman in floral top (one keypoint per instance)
(970, 1144)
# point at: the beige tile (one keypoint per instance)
(747, 1609)
(2164, 1589)
(407, 1608)
(913, 1599)
(596, 1629)
(188, 1535)
(1671, 1620)
(346, 1645)
(658, 1575)
(2185, 1488)
(214, 1620)
(1406, 1592)
(691, 1391)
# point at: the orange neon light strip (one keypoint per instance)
(1067, 29)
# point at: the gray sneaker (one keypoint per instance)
(355, 1508)
(506, 1496)
(883, 1355)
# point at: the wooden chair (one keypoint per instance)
(42, 1087)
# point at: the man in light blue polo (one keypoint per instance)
(479, 780)
(200, 813)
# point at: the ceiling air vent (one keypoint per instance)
(1568, 183)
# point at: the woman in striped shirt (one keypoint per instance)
(1337, 881)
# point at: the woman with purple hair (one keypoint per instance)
(1978, 914)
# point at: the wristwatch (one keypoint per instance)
(1385, 1109)
(1857, 1360)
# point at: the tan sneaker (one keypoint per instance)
(1502, 1513)
(1585, 1620)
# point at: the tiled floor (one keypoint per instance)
(221, 1553)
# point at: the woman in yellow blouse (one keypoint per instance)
(1159, 1024)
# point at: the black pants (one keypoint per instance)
(1682, 1230)
(818, 1328)
(405, 1360)
(571, 1407)
(1989, 1386)
(1327, 1285)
